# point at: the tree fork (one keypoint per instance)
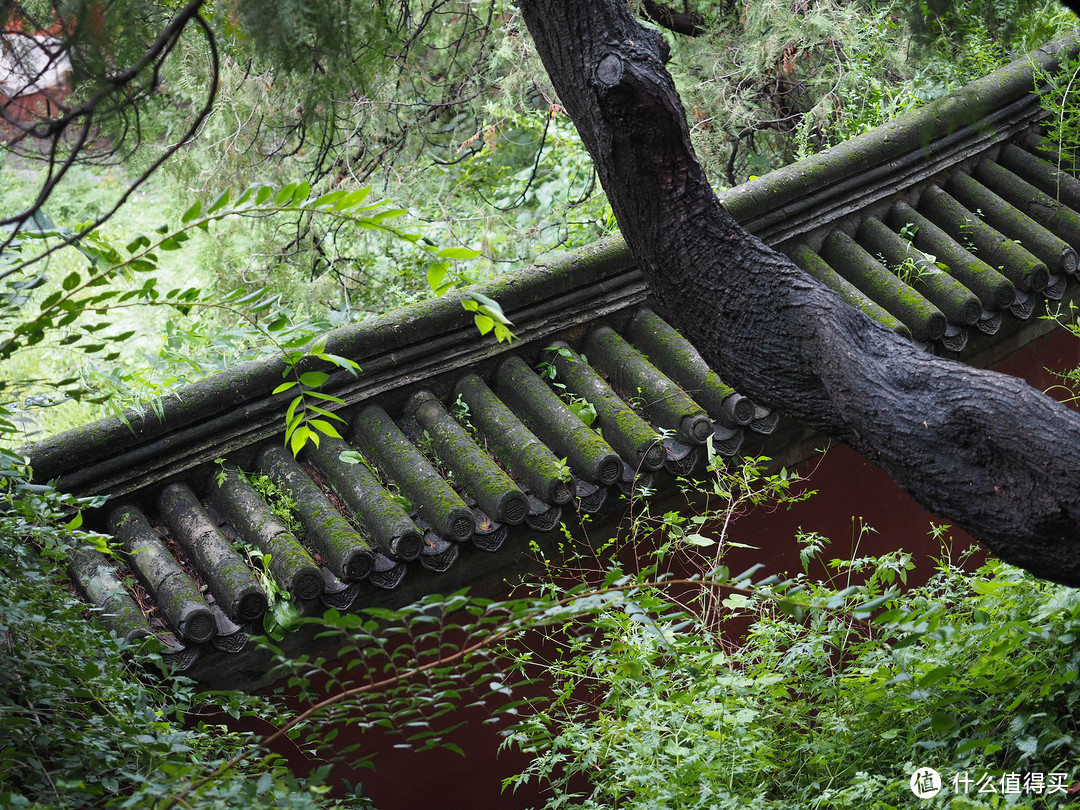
(983, 450)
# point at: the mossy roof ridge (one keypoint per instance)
(443, 487)
(380, 335)
(592, 264)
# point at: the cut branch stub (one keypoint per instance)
(609, 70)
(231, 580)
(290, 563)
(177, 594)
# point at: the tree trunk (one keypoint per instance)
(983, 450)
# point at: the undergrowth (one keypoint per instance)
(822, 703)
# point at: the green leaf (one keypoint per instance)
(324, 412)
(192, 212)
(285, 386)
(71, 281)
(326, 397)
(137, 243)
(300, 437)
(328, 199)
(291, 416)
(390, 213)
(699, 540)
(301, 193)
(341, 362)
(313, 379)
(266, 781)
(352, 199)
(942, 722)
(458, 253)
(869, 605)
(221, 201)
(792, 609)
(436, 274)
(285, 194)
(484, 323)
(935, 676)
(325, 428)
(488, 306)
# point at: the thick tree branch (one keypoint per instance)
(986, 451)
(681, 22)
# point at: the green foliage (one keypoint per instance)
(838, 691)
(770, 82)
(87, 720)
(281, 502)
(80, 310)
(281, 614)
(581, 407)
(1061, 100)
(93, 292)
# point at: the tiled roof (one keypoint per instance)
(467, 449)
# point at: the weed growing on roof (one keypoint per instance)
(582, 408)
(281, 502)
(459, 409)
(281, 614)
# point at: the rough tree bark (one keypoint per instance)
(983, 450)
